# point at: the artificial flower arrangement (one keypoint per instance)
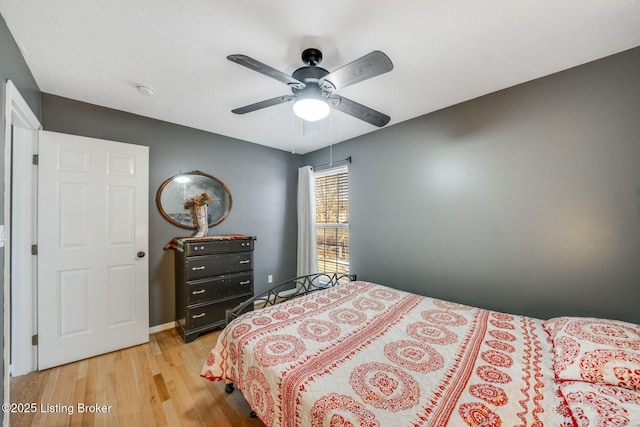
(198, 200)
(197, 207)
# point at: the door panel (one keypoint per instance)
(72, 218)
(73, 302)
(121, 295)
(120, 216)
(92, 221)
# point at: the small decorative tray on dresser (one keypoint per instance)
(213, 273)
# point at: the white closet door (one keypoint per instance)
(92, 242)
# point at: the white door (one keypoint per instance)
(92, 239)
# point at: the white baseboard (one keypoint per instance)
(163, 327)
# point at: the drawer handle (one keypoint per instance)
(245, 261)
(201, 291)
(246, 282)
(197, 316)
(202, 267)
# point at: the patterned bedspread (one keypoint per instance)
(363, 354)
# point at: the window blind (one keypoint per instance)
(332, 219)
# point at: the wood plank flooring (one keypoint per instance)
(155, 384)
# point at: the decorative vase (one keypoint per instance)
(202, 227)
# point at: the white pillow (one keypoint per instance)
(596, 350)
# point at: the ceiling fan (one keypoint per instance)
(313, 87)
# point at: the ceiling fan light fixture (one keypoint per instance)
(311, 109)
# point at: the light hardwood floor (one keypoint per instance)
(155, 384)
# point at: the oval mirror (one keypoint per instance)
(173, 193)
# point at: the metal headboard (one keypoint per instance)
(290, 289)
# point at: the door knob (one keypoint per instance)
(141, 254)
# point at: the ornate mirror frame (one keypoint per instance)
(174, 191)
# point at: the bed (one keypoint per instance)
(364, 354)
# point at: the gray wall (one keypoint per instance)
(262, 182)
(14, 68)
(526, 200)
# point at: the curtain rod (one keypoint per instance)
(333, 164)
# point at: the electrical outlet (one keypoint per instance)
(270, 278)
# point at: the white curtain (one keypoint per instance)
(307, 254)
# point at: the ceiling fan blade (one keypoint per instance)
(268, 71)
(263, 104)
(370, 65)
(359, 111)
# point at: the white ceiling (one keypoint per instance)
(444, 52)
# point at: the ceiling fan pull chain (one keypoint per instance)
(331, 140)
(293, 134)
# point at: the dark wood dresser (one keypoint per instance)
(213, 273)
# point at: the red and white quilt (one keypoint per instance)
(362, 354)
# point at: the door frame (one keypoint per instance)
(16, 111)
(24, 265)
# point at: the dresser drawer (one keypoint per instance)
(219, 287)
(206, 266)
(217, 246)
(211, 313)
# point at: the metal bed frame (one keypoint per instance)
(290, 289)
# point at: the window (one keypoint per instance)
(332, 219)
